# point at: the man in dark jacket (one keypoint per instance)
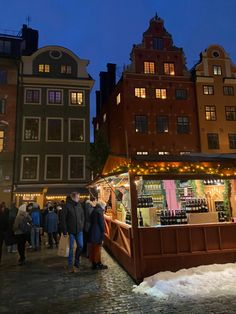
(72, 221)
(3, 225)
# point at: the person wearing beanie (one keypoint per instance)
(97, 229)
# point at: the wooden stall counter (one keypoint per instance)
(199, 218)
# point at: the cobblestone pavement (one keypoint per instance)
(43, 286)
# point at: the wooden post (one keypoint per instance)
(135, 229)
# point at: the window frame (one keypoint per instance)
(69, 133)
(83, 97)
(163, 132)
(45, 167)
(210, 112)
(62, 130)
(182, 125)
(229, 135)
(217, 67)
(84, 168)
(168, 72)
(208, 87)
(135, 124)
(140, 91)
(230, 112)
(212, 148)
(3, 139)
(149, 67)
(182, 90)
(22, 163)
(39, 129)
(34, 89)
(228, 88)
(54, 90)
(161, 93)
(45, 65)
(67, 66)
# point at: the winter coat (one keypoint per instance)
(10, 238)
(4, 221)
(97, 225)
(87, 215)
(72, 217)
(51, 222)
(19, 218)
(36, 217)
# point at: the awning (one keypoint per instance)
(28, 190)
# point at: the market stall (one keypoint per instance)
(169, 214)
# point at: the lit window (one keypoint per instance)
(32, 96)
(54, 97)
(232, 141)
(210, 113)
(142, 153)
(118, 99)
(217, 70)
(31, 129)
(54, 130)
(76, 130)
(182, 125)
(53, 167)
(2, 137)
(169, 68)
(141, 124)
(44, 68)
(30, 167)
(76, 167)
(2, 106)
(149, 67)
(66, 69)
(230, 113)
(228, 90)
(97, 126)
(104, 117)
(76, 98)
(162, 124)
(184, 153)
(140, 92)
(181, 94)
(161, 93)
(163, 153)
(208, 90)
(213, 141)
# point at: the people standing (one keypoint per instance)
(73, 224)
(3, 225)
(22, 228)
(51, 226)
(88, 209)
(10, 237)
(35, 231)
(97, 235)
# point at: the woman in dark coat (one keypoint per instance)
(97, 228)
(51, 227)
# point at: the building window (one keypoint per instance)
(3, 77)
(230, 113)
(228, 90)
(29, 167)
(217, 70)
(163, 153)
(31, 129)
(161, 93)
(182, 125)
(54, 130)
(54, 97)
(184, 153)
(45, 68)
(65, 69)
(118, 100)
(32, 96)
(142, 153)
(149, 67)
(141, 124)
(2, 140)
(53, 167)
(140, 92)
(210, 113)
(3, 106)
(158, 43)
(169, 68)
(104, 117)
(208, 90)
(181, 94)
(76, 130)
(5, 46)
(162, 124)
(76, 98)
(232, 141)
(76, 167)
(213, 141)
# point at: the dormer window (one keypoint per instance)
(66, 69)
(44, 68)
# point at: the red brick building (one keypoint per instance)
(152, 109)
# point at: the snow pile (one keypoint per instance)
(202, 281)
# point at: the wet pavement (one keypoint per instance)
(44, 286)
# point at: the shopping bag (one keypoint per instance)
(63, 247)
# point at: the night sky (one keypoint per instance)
(104, 30)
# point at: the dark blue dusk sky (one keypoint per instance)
(104, 30)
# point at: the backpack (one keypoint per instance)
(25, 225)
(35, 215)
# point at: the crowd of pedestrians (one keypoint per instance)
(82, 223)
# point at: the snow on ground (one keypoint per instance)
(203, 281)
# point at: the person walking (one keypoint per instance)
(96, 236)
(3, 225)
(72, 221)
(35, 231)
(22, 228)
(51, 227)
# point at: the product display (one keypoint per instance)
(171, 217)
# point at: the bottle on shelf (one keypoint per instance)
(140, 219)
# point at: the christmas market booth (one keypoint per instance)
(169, 213)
